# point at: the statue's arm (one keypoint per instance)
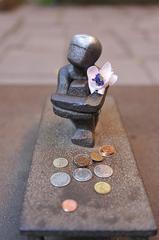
(92, 103)
(67, 102)
(63, 80)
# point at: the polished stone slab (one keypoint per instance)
(124, 212)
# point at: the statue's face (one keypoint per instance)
(84, 50)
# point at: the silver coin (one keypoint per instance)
(60, 162)
(60, 179)
(82, 174)
(103, 171)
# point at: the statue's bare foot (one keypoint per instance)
(83, 138)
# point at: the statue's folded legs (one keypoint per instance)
(84, 123)
(85, 129)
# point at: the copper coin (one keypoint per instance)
(95, 156)
(69, 205)
(107, 150)
(82, 160)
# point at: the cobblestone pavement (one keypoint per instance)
(34, 40)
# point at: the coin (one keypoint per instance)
(60, 162)
(103, 171)
(82, 160)
(95, 156)
(107, 150)
(69, 205)
(60, 179)
(102, 187)
(82, 174)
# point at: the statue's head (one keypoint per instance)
(84, 50)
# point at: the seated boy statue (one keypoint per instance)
(73, 98)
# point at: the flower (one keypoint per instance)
(99, 79)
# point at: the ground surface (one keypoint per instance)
(34, 41)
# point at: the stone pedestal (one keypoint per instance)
(125, 212)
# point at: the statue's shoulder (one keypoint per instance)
(68, 68)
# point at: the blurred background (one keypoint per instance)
(34, 37)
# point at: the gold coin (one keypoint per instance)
(107, 150)
(102, 187)
(95, 156)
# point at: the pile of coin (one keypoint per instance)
(82, 173)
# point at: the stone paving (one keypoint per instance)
(34, 40)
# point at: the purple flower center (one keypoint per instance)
(98, 79)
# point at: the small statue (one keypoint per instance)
(82, 88)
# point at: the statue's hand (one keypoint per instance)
(96, 100)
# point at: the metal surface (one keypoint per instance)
(84, 50)
(95, 156)
(73, 99)
(102, 187)
(107, 150)
(60, 179)
(69, 205)
(125, 211)
(82, 174)
(103, 171)
(82, 160)
(60, 162)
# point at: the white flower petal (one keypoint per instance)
(106, 83)
(91, 73)
(101, 91)
(92, 86)
(113, 79)
(106, 71)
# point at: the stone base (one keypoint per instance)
(123, 212)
